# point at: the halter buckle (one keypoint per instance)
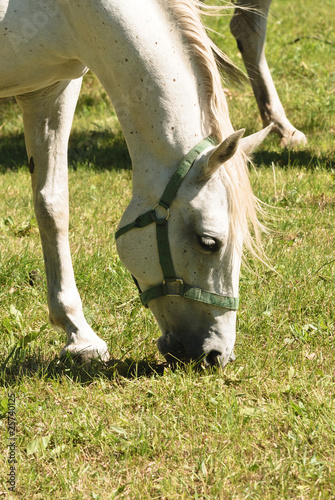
(160, 220)
(173, 287)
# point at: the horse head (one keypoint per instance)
(185, 253)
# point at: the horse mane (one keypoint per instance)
(244, 204)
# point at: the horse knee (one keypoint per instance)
(249, 31)
(235, 23)
(51, 212)
(235, 31)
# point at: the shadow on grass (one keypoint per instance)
(291, 158)
(100, 150)
(105, 150)
(25, 365)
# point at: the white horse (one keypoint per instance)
(248, 26)
(156, 63)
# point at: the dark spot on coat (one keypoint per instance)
(31, 165)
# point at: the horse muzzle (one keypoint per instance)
(209, 353)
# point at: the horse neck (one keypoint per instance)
(144, 64)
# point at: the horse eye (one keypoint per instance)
(208, 243)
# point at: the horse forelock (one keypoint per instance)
(244, 206)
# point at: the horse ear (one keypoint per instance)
(223, 152)
(249, 143)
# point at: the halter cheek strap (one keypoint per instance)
(173, 285)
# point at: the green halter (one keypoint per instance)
(172, 285)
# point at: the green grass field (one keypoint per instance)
(261, 429)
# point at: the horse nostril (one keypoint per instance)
(213, 358)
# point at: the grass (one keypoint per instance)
(262, 429)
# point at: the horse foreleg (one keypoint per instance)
(47, 116)
(249, 30)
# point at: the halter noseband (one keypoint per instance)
(172, 285)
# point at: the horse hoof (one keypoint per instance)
(86, 352)
(294, 140)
